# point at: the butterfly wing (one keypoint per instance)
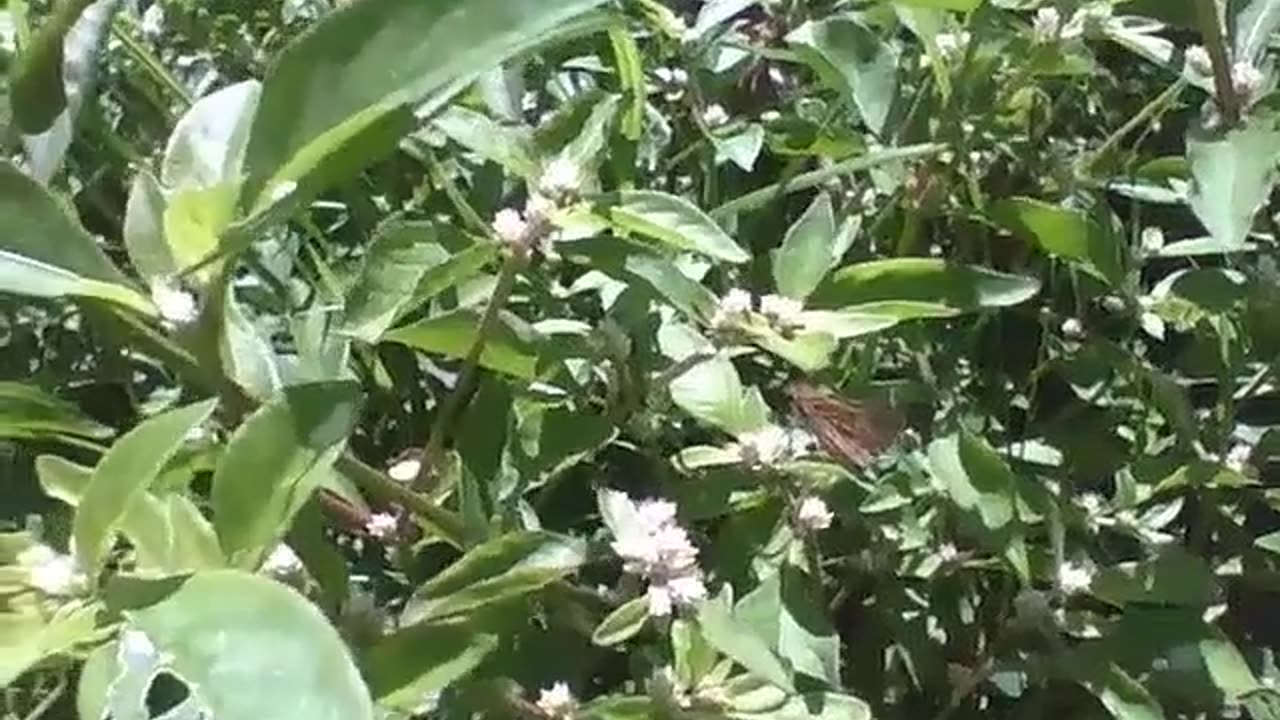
(854, 432)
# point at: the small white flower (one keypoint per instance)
(51, 572)
(947, 552)
(283, 562)
(539, 207)
(1074, 578)
(653, 546)
(1247, 81)
(405, 470)
(952, 44)
(715, 115)
(1152, 239)
(1047, 24)
(175, 304)
(783, 312)
(813, 514)
(1072, 329)
(381, 526)
(510, 226)
(765, 447)
(1090, 502)
(1198, 60)
(732, 308)
(557, 701)
(152, 25)
(1238, 457)
(560, 177)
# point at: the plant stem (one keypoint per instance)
(1215, 42)
(1144, 115)
(433, 449)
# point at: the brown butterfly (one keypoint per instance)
(851, 431)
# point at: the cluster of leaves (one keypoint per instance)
(350, 347)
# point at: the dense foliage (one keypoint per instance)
(618, 359)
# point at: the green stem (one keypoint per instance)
(1144, 115)
(434, 447)
(1215, 42)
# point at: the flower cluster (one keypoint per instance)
(772, 445)
(653, 546)
(176, 306)
(812, 514)
(784, 314)
(51, 572)
(557, 702)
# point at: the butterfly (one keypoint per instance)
(851, 431)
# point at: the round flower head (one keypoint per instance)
(813, 514)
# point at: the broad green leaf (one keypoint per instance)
(36, 85)
(684, 293)
(630, 69)
(247, 357)
(194, 220)
(418, 660)
(957, 5)
(249, 648)
(712, 392)
(809, 250)
(46, 253)
(740, 145)
(1066, 233)
(783, 612)
(1122, 696)
(1174, 577)
(510, 146)
(27, 639)
(673, 221)
(366, 58)
(853, 59)
(144, 232)
(624, 623)
(503, 568)
(28, 412)
(511, 349)
(207, 145)
(962, 288)
(750, 699)
(400, 256)
(275, 461)
(123, 475)
(809, 351)
(729, 634)
(46, 150)
(1233, 172)
(976, 478)
(1253, 28)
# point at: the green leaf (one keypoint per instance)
(207, 145)
(419, 660)
(625, 622)
(144, 231)
(45, 253)
(511, 147)
(752, 700)
(400, 256)
(851, 58)
(123, 475)
(731, 636)
(510, 566)
(957, 5)
(712, 392)
(364, 59)
(28, 412)
(1065, 233)
(27, 639)
(976, 478)
(1255, 23)
(673, 221)
(626, 56)
(36, 88)
(275, 461)
(685, 294)
(249, 648)
(1122, 696)
(783, 611)
(809, 250)
(1233, 172)
(1174, 577)
(961, 288)
(512, 348)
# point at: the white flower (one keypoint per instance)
(510, 226)
(657, 549)
(1152, 239)
(947, 552)
(405, 470)
(1238, 457)
(557, 701)
(952, 44)
(381, 525)
(136, 651)
(813, 514)
(175, 304)
(731, 308)
(282, 562)
(1198, 60)
(1047, 24)
(765, 447)
(1247, 81)
(152, 25)
(715, 115)
(1074, 578)
(782, 311)
(51, 572)
(1090, 502)
(1072, 329)
(560, 177)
